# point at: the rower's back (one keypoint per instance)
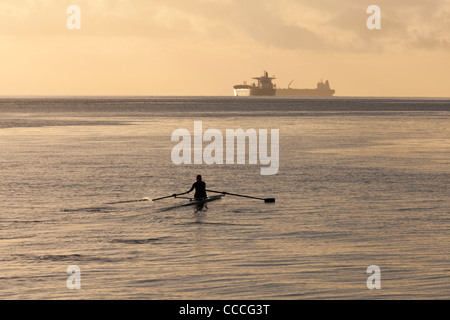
(200, 188)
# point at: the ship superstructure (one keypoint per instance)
(264, 87)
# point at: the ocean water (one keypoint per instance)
(361, 182)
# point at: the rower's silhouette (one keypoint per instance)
(200, 193)
(200, 189)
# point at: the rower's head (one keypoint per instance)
(199, 177)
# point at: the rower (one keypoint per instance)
(200, 188)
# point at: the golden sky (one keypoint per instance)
(204, 47)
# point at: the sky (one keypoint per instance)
(204, 47)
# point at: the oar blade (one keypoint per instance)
(244, 196)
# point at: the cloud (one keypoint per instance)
(336, 26)
(406, 24)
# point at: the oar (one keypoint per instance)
(129, 201)
(173, 195)
(241, 195)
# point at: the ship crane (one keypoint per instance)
(290, 83)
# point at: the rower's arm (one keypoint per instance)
(191, 188)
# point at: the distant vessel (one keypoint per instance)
(265, 87)
(323, 90)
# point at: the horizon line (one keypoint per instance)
(213, 96)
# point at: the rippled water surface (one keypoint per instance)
(361, 182)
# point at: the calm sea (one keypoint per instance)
(361, 182)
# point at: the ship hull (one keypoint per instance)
(242, 91)
(304, 93)
(262, 92)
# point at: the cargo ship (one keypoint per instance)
(265, 87)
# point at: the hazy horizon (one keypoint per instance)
(125, 96)
(204, 47)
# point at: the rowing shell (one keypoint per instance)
(202, 201)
